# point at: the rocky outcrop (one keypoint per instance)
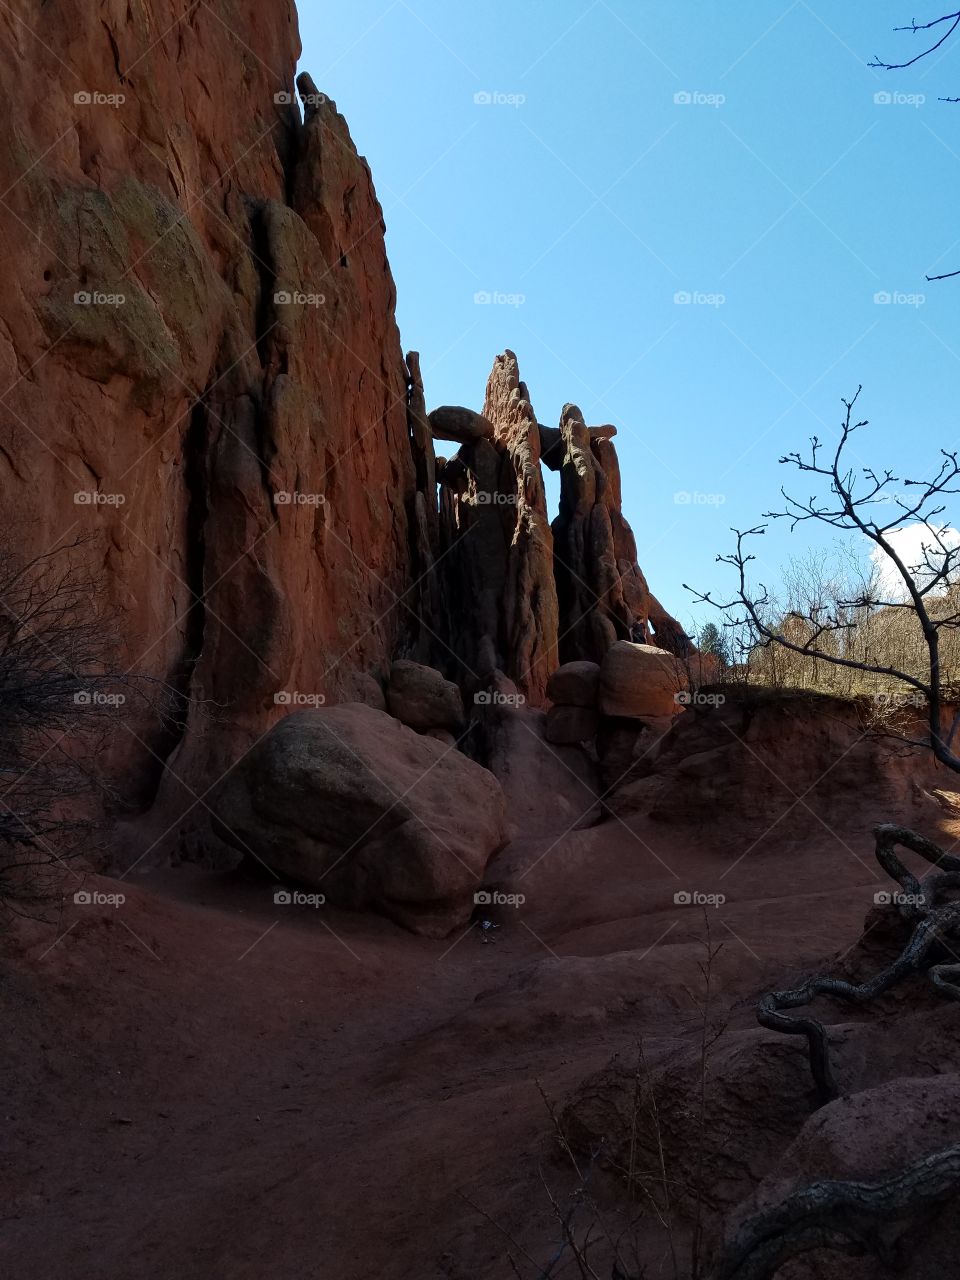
(349, 802)
(206, 384)
(603, 595)
(518, 594)
(530, 617)
(193, 276)
(636, 692)
(517, 612)
(495, 552)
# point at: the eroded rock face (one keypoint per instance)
(498, 602)
(530, 612)
(518, 594)
(524, 594)
(193, 276)
(351, 803)
(453, 422)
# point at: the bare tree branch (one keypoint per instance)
(849, 505)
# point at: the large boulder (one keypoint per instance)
(349, 802)
(865, 1137)
(361, 686)
(575, 684)
(422, 699)
(640, 682)
(453, 422)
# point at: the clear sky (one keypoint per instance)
(625, 152)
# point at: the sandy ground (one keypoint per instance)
(200, 1083)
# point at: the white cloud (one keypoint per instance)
(909, 544)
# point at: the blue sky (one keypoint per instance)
(775, 191)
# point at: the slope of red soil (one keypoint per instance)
(199, 1082)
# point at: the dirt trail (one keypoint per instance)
(201, 1083)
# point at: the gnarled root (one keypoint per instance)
(850, 1217)
(916, 901)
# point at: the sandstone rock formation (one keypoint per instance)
(452, 422)
(498, 606)
(193, 277)
(518, 594)
(367, 812)
(637, 690)
(205, 379)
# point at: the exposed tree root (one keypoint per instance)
(935, 921)
(849, 1217)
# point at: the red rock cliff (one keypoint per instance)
(198, 329)
(201, 377)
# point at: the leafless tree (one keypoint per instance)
(61, 696)
(941, 30)
(937, 32)
(822, 627)
(855, 1217)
